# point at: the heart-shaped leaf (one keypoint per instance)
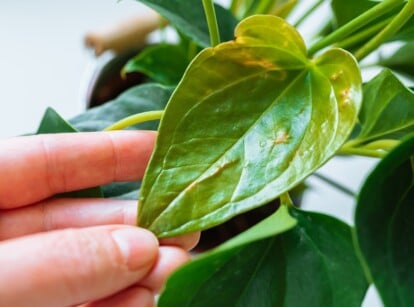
(189, 18)
(250, 120)
(272, 264)
(384, 224)
(387, 110)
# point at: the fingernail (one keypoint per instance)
(139, 247)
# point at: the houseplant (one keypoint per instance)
(251, 118)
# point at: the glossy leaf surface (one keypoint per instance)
(312, 264)
(387, 110)
(189, 18)
(384, 224)
(250, 120)
(163, 63)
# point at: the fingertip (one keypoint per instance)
(138, 247)
(170, 258)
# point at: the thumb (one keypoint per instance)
(68, 267)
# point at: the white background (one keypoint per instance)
(43, 63)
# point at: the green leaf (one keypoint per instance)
(401, 60)
(189, 18)
(312, 264)
(384, 224)
(387, 110)
(346, 10)
(138, 99)
(52, 122)
(249, 121)
(163, 63)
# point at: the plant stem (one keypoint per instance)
(382, 144)
(211, 22)
(363, 35)
(393, 27)
(286, 200)
(264, 6)
(355, 24)
(360, 151)
(335, 184)
(308, 12)
(234, 6)
(135, 119)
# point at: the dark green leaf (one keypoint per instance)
(250, 120)
(384, 224)
(401, 60)
(346, 10)
(387, 110)
(52, 122)
(121, 189)
(189, 18)
(141, 98)
(313, 264)
(163, 63)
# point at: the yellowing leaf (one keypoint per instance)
(250, 119)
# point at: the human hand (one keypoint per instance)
(65, 252)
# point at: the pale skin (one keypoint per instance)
(78, 252)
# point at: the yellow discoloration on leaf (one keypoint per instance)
(337, 75)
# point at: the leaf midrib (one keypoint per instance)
(298, 77)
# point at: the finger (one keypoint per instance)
(63, 213)
(36, 167)
(132, 297)
(169, 259)
(69, 267)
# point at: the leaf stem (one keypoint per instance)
(234, 6)
(135, 119)
(286, 200)
(363, 35)
(211, 22)
(307, 13)
(355, 24)
(264, 6)
(360, 151)
(335, 184)
(392, 28)
(382, 144)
